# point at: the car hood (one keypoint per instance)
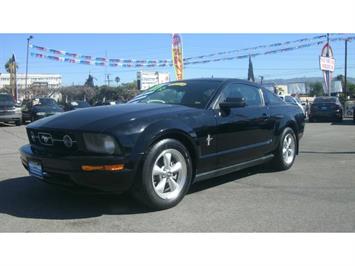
(103, 117)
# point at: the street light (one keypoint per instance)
(28, 46)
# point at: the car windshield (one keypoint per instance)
(290, 99)
(44, 101)
(324, 100)
(192, 93)
(6, 99)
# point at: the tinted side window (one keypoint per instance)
(250, 94)
(272, 98)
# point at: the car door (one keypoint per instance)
(244, 133)
(26, 111)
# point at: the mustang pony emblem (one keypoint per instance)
(45, 138)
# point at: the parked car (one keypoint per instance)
(39, 108)
(9, 111)
(326, 108)
(76, 105)
(101, 103)
(295, 101)
(184, 132)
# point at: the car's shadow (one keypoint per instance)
(344, 123)
(28, 197)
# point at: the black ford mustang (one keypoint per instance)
(183, 132)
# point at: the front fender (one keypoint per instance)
(162, 128)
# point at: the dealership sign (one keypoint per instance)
(327, 63)
(147, 79)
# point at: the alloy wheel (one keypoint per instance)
(169, 174)
(288, 148)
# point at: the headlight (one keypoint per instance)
(40, 113)
(18, 111)
(101, 143)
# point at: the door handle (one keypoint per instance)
(265, 115)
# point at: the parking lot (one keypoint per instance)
(316, 195)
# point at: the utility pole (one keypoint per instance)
(346, 69)
(28, 46)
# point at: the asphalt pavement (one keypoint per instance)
(316, 195)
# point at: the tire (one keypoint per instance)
(18, 122)
(311, 119)
(283, 160)
(165, 186)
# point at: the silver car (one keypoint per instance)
(9, 112)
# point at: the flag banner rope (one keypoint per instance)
(98, 63)
(257, 47)
(131, 63)
(164, 61)
(100, 59)
(275, 51)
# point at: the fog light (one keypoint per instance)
(111, 167)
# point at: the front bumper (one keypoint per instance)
(66, 171)
(10, 118)
(325, 115)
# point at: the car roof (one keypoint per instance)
(219, 79)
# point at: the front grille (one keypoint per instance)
(55, 141)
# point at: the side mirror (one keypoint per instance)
(230, 103)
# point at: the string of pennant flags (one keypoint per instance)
(257, 47)
(100, 63)
(99, 59)
(132, 63)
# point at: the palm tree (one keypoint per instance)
(9, 64)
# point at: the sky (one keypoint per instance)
(299, 63)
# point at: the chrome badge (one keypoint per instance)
(68, 142)
(45, 139)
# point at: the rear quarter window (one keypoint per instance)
(271, 98)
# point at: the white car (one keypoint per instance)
(295, 101)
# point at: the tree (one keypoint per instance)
(250, 71)
(351, 89)
(117, 79)
(123, 92)
(72, 93)
(316, 88)
(10, 64)
(342, 79)
(89, 82)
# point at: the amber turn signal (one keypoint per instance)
(111, 167)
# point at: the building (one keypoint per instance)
(50, 82)
(146, 79)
